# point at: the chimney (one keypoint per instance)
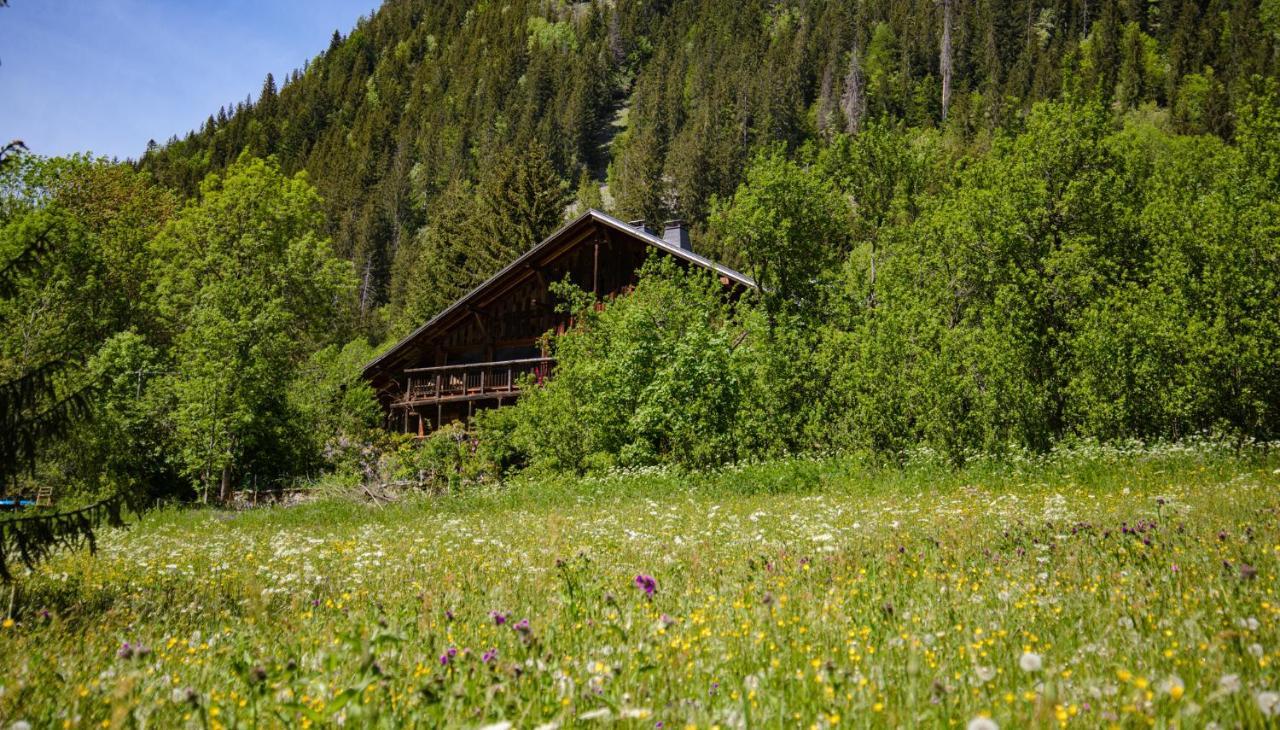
(676, 234)
(639, 224)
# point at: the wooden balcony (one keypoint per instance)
(476, 381)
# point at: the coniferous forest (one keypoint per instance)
(979, 225)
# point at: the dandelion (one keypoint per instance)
(982, 723)
(1256, 650)
(1269, 703)
(1031, 662)
(985, 674)
(1229, 683)
(504, 725)
(647, 584)
(1174, 687)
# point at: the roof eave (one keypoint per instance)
(603, 218)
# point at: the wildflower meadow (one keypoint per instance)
(1089, 588)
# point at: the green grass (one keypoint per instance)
(800, 593)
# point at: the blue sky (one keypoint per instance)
(104, 76)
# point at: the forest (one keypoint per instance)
(980, 226)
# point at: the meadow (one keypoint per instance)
(1092, 587)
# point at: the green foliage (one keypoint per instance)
(439, 463)
(551, 35)
(333, 403)
(128, 446)
(247, 289)
(1058, 260)
(790, 226)
(72, 238)
(518, 202)
(650, 378)
(672, 102)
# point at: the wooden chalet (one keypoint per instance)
(473, 354)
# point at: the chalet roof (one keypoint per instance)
(603, 219)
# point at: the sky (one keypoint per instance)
(106, 76)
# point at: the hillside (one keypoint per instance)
(665, 102)
(1085, 248)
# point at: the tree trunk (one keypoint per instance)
(224, 494)
(944, 57)
(854, 103)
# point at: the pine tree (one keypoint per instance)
(1129, 91)
(1106, 52)
(853, 102)
(520, 200)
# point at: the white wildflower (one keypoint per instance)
(604, 713)
(20, 725)
(1269, 703)
(634, 713)
(504, 725)
(1031, 662)
(985, 674)
(1256, 650)
(983, 723)
(1230, 683)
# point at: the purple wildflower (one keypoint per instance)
(448, 615)
(489, 656)
(647, 584)
(449, 654)
(522, 626)
(498, 618)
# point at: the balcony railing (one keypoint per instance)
(474, 381)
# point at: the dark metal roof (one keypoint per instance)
(593, 214)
